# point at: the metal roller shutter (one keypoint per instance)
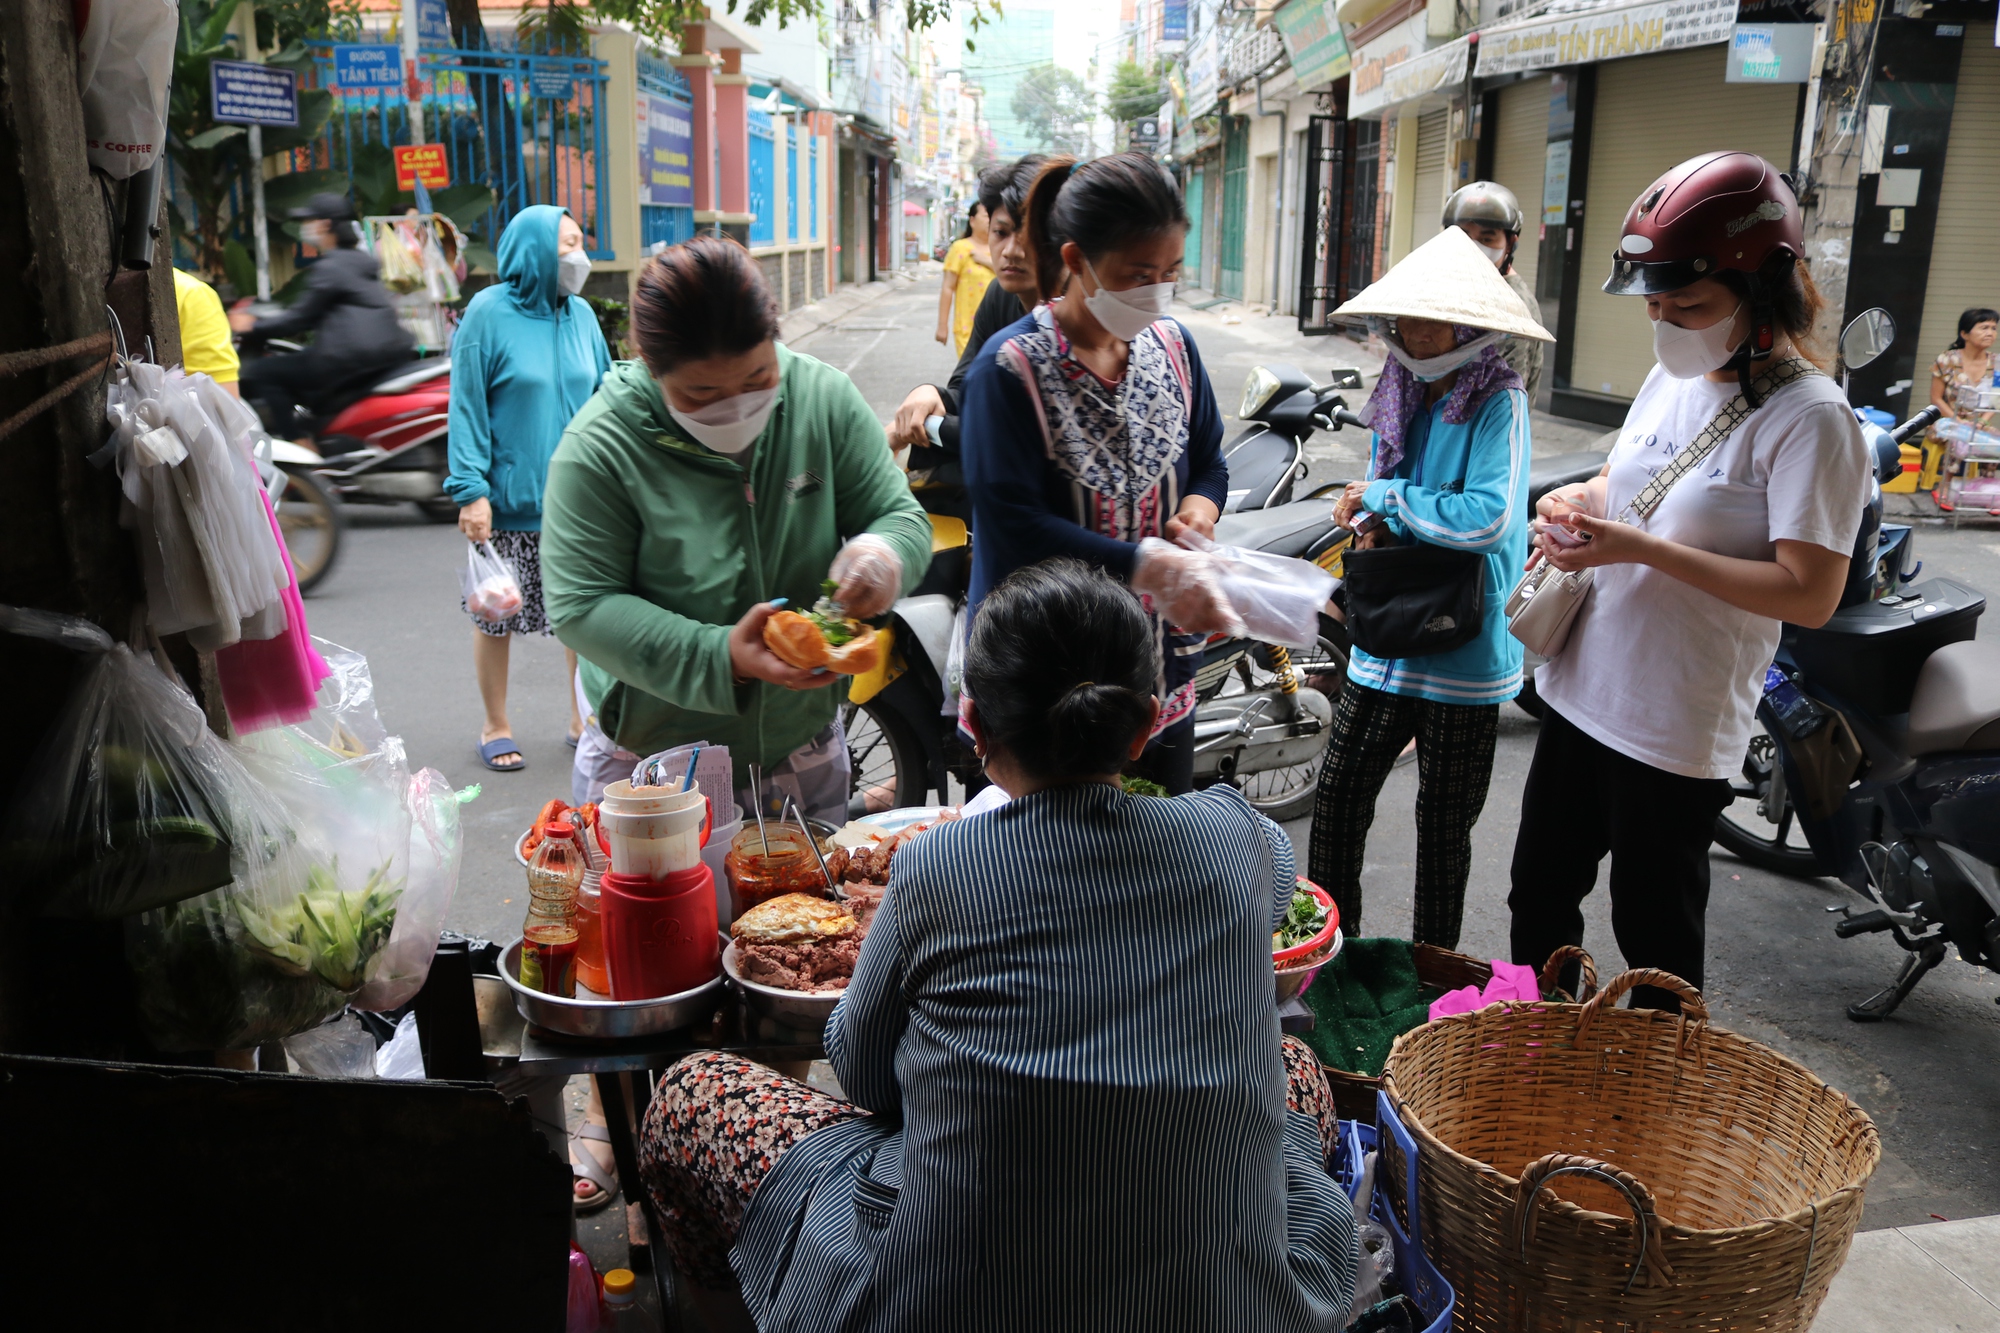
(1427, 205)
(1654, 111)
(1963, 269)
(1520, 143)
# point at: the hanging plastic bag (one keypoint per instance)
(132, 802)
(435, 851)
(395, 250)
(491, 591)
(341, 1048)
(440, 283)
(124, 65)
(1277, 598)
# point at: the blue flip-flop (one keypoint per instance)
(499, 747)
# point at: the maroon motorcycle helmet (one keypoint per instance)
(1716, 213)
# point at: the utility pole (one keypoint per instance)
(260, 242)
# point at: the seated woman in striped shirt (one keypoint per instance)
(1072, 1108)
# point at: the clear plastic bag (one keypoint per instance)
(341, 1048)
(402, 268)
(125, 64)
(132, 802)
(1277, 597)
(435, 851)
(491, 591)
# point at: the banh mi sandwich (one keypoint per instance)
(823, 637)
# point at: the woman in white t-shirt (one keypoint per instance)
(1651, 701)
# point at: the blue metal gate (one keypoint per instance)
(531, 128)
(763, 149)
(792, 182)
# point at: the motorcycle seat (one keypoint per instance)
(1288, 529)
(1957, 701)
(1546, 474)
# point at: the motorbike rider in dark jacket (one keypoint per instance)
(356, 338)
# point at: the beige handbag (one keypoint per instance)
(1544, 603)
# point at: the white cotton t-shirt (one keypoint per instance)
(1657, 669)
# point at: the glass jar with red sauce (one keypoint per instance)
(770, 863)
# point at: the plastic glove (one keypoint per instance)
(1185, 587)
(869, 574)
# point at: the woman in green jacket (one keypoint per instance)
(716, 478)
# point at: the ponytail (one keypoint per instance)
(1044, 247)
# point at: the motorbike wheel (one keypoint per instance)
(1760, 825)
(312, 519)
(1283, 794)
(886, 760)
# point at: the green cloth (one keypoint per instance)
(1363, 1000)
(653, 547)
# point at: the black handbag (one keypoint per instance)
(1411, 601)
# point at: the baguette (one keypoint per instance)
(797, 641)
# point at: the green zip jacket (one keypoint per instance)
(653, 547)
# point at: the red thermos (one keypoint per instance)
(660, 934)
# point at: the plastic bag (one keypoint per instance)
(125, 62)
(341, 1048)
(132, 802)
(586, 1310)
(402, 1056)
(440, 282)
(435, 851)
(395, 250)
(1278, 598)
(491, 591)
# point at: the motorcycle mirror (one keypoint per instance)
(1866, 337)
(1344, 377)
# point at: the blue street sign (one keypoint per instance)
(240, 93)
(433, 23)
(374, 66)
(552, 81)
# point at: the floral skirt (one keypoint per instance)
(719, 1123)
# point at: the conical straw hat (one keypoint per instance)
(1448, 278)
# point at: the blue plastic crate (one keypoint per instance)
(1415, 1274)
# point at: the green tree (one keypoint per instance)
(1135, 93)
(1055, 108)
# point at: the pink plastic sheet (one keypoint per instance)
(1511, 981)
(271, 681)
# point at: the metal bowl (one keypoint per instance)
(1292, 981)
(608, 1020)
(795, 1009)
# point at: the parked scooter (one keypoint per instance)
(1880, 744)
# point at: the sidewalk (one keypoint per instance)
(1943, 1277)
(838, 304)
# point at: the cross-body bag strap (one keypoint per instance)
(1720, 427)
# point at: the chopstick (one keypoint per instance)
(813, 843)
(757, 808)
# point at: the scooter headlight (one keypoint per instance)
(1257, 392)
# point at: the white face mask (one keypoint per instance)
(1688, 354)
(1437, 367)
(1127, 314)
(728, 425)
(571, 270)
(1496, 253)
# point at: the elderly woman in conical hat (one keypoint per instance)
(1449, 468)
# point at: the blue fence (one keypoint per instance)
(812, 187)
(792, 182)
(763, 149)
(529, 127)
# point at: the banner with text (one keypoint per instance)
(1604, 34)
(1395, 68)
(666, 152)
(1314, 41)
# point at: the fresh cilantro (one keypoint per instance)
(828, 617)
(1304, 919)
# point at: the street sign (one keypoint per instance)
(1145, 135)
(433, 23)
(240, 93)
(360, 67)
(554, 81)
(423, 163)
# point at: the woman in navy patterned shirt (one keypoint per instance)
(1072, 1108)
(1090, 425)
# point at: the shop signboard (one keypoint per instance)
(1314, 41)
(422, 163)
(1769, 53)
(1581, 37)
(243, 93)
(1144, 135)
(433, 23)
(666, 152)
(1173, 21)
(1396, 67)
(358, 67)
(1204, 61)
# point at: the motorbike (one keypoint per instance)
(1876, 757)
(1264, 712)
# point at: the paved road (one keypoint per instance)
(1930, 1076)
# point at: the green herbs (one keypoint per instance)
(829, 618)
(326, 932)
(1141, 787)
(1305, 919)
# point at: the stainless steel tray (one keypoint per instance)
(600, 1019)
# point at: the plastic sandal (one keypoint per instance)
(583, 1165)
(499, 747)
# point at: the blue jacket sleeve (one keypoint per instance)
(1005, 465)
(1474, 518)
(469, 428)
(1208, 473)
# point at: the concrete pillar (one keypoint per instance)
(619, 50)
(1403, 180)
(698, 68)
(732, 138)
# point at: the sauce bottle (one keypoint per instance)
(549, 935)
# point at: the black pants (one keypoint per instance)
(1584, 799)
(1454, 766)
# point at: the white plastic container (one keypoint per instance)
(719, 839)
(653, 831)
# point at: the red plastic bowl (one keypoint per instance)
(1298, 952)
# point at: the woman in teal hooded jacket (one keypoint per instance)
(527, 356)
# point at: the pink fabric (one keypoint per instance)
(268, 681)
(1511, 981)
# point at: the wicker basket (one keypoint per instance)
(1706, 1182)
(1354, 1094)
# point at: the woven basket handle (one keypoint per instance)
(1563, 957)
(1650, 1258)
(1692, 1005)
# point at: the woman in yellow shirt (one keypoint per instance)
(968, 267)
(205, 343)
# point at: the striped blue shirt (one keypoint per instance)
(1466, 487)
(1064, 1023)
